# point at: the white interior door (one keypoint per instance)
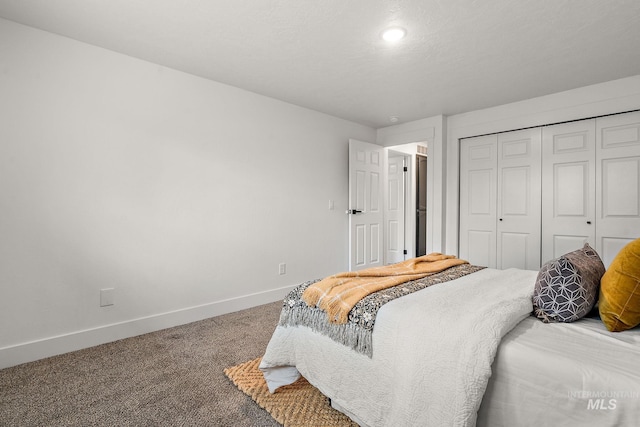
(519, 200)
(478, 175)
(618, 183)
(365, 205)
(568, 180)
(394, 214)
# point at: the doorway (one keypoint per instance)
(421, 205)
(398, 194)
(405, 215)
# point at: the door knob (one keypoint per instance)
(353, 211)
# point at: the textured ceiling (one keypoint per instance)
(327, 55)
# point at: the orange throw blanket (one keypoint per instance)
(339, 293)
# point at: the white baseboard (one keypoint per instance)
(52, 346)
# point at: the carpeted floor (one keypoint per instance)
(173, 377)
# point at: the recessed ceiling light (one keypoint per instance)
(394, 34)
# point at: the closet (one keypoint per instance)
(531, 195)
(500, 199)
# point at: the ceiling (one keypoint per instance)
(327, 55)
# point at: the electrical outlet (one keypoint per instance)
(106, 297)
(282, 268)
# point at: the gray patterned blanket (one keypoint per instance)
(357, 332)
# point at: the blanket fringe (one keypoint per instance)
(348, 334)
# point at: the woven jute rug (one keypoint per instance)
(297, 405)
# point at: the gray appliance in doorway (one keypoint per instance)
(421, 205)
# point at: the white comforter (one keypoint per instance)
(432, 353)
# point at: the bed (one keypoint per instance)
(466, 352)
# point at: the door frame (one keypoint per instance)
(410, 151)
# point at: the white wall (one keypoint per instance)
(590, 101)
(181, 193)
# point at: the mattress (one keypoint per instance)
(568, 374)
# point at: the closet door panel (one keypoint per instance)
(519, 189)
(516, 248)
(610, 246)
(618, 183)
(481, 248)
(478, 177)
(514, 199)
(620, 187)
(568, 182)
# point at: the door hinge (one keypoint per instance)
(404, 252)
(406, 169)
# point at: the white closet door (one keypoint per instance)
(478, 175)
(618, 183)
(568, 182)
(519, 200)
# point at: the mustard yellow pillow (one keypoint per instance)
(619, 302)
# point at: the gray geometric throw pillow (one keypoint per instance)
(567, 287)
